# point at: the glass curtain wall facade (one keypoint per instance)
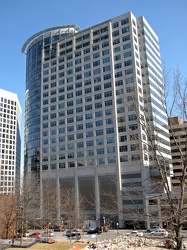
(86, 93)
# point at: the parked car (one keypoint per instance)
(96, 230)
(56, 229)
(160, 232)
(72, 232)
(35, 235)
(134, 233)
(155, 228)
(48, 234)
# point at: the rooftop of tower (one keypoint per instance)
(72, 28)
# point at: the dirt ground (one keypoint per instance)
(76, 246)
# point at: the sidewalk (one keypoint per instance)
(4, 243)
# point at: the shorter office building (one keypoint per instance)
(10, 142)
(178, 138)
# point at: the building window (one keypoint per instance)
(79, 109)
(79, 118)
(123, 138)
(105, 52)
(89, 143)
(80, 144)
(88, 107)
(133, 117)
(88, 116)
(125, 21)
(99, 141)
(109, 121)
(70, 128)
(62, 165)
(100, 151)
(111, 159)
(109, 130)
(99, 132)
(135, 157)
(127, 54)
(115, 33)
(108, 103)
(98, 105)
(125, 30)
(98, 114)
(89, 134)
(79, 126)
(106, 60)
(97, 88)
(111, 150)
(124, 158)
(79, 135)
(96, 55)
(133, 137)
(70, 137)
(134, 147)
(87, 66)
(123, 148)
(89, 152)
(89, 125)
(99, 123)
(116, 49)
(79, 101)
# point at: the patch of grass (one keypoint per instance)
(54, 246)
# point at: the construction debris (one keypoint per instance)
(122, 243)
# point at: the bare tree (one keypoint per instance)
(27, 202)
(173, 200)
(49, 203)
(8, 216)
(170, 199)
(73, 215)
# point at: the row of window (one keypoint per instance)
(5, 101)
(78, 109)
(132, 117)
(81, 92)
(90, 162)
(88, 65)
(100, 161)
(87, 50)
(98, 151)
(91, 133)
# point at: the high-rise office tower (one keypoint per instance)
(10, 142)
(87, 92)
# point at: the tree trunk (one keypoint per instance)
(178, 238)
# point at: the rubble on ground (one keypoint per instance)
(122, 243)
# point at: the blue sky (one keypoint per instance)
(20, 19)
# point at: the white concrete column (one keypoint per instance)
(77, 196)
(97, 197)
(58, 199)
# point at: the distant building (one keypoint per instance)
(87, 92)
(10, 142)
(178, 138)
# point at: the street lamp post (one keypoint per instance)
(104, 221)
(117, 224)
